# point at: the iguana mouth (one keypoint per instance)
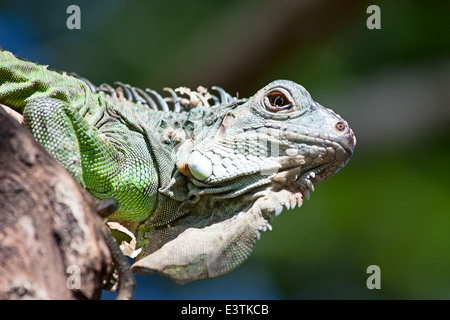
(291, 185)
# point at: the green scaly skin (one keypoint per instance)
(196, 185)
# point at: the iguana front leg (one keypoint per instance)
(106, 166)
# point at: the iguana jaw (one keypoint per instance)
(291, 176)
(292, 183)
(289, 188)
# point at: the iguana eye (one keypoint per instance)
(276, 101)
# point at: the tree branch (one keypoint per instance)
(52, 243)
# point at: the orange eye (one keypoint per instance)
(276, 101)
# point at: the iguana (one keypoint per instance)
(197, 175)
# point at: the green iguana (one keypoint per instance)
(197, 176)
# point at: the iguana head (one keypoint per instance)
(279, 137)
(242, 163)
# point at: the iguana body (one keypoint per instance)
(196, 184)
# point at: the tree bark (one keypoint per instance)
(51, 241)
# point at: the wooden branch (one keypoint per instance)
(51, 241)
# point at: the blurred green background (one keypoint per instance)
(390, 205)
